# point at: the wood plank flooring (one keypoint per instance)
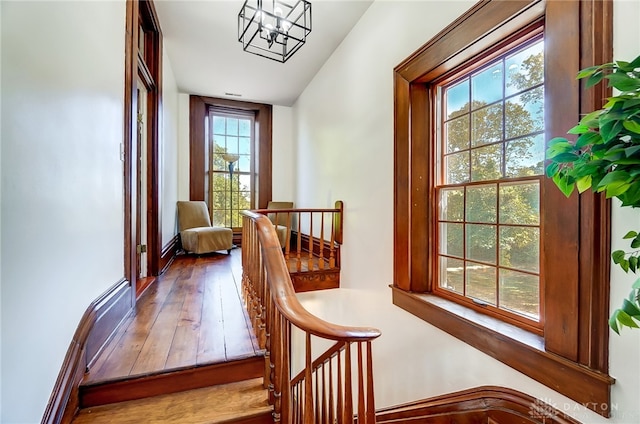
(191, 316)
(238, 401)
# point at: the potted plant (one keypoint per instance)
(605, 157)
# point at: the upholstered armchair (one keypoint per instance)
(282, 221)
(196, 232)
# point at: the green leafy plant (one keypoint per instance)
(605, 157)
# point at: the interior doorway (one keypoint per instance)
(140, 151)
(142, 267)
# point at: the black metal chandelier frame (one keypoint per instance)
(274, 29)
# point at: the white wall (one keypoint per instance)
(62, 184)
(344, 135)
(169, 151)
(183, 146)
(284, 157)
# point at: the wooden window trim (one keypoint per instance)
(572, 356)
(199, 110)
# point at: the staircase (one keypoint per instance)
(240, 402)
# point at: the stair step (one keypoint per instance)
(189, 378)
(240, 402)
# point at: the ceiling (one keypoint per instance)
(200, 38)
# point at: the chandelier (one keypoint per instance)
(274, 29)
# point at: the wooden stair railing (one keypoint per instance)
(334, 384)
(313, 238)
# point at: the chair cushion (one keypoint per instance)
(192, 214)
(282, 231)
(206, 239)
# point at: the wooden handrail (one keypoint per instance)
(284, 295)
(335, 383)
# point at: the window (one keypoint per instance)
(490, 154)
(452, 184)
(230, 193)
(252, 172)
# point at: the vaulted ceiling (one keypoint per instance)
(200, 38)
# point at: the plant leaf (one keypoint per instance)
(552, 169)
(614, 177)
(583, 184)
(629, 151)
(630, 235)
(624, 264)
(617, 256)
(579, 129)
(622, 81)
(562, 181)
(633, 263)
(631, 103)
(565, 157)
(587, 72)
(632, 126)
(591, 119)
(630, 308)
(635, 63)
(588, 138)
(613, 322)
(625, 319)
(636, 285)
(610, 129)
(594, 78)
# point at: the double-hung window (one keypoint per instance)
(489, 162)
(231, 165)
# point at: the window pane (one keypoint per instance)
(525, 156)
(244, 200)
(457, 134)
(456, 168)
(520, 248)
(520, 203)
(481, 282)
(244, 163)
(524, 114)
(486, 163)
(482, 202)
(457, 99)
(525, 69)
(451, 204)
(245, 182)
(245, 127)
(451, 239)
(219, 218)
(487, 86)
(232, 126)
(245, 146)
(481, 243)
(219, 125)
(487, 125)
(520, 293)
(232, 144)
(452, 274)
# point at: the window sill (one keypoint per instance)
(513, 346)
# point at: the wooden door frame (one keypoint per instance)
(148, 66)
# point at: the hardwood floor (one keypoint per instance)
(192, 316)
